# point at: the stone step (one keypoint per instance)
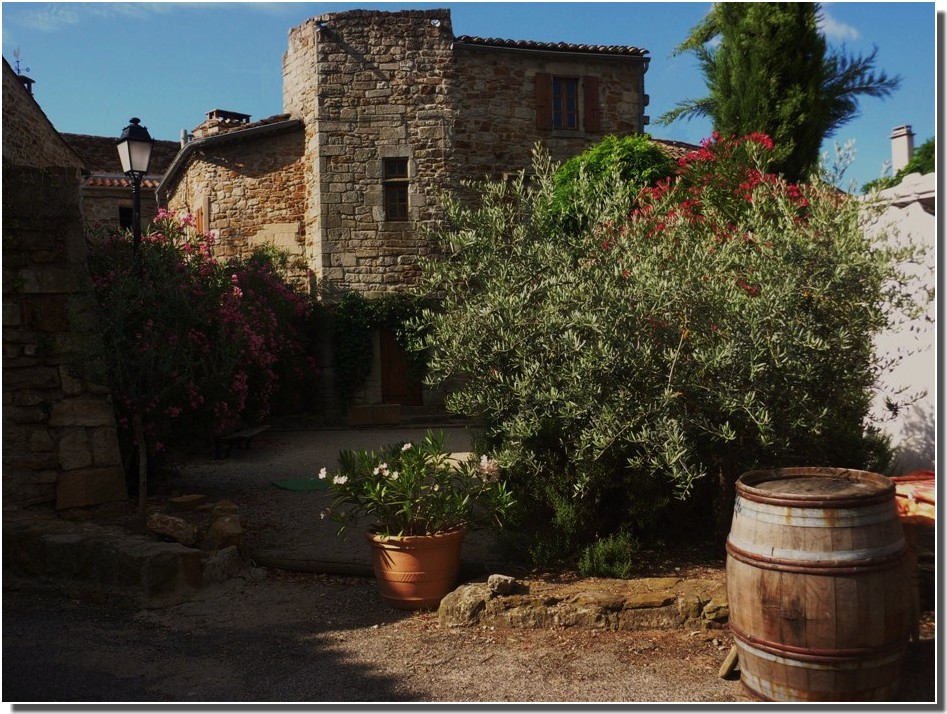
(92, 561)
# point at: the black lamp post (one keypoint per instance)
(134, 150)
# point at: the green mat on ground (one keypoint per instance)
(302, 484)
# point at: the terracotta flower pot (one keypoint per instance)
(415, 572)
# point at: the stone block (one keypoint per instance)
(105, 449)
(82, 412)
(222, 565)
(74, 451)
(11, 314)
(186, 503)
(173, 527)
(223, 532)
(90, 486)
(30, 378)
(463, 606)
(41, 441)
(49, 280)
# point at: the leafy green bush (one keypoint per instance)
(725, 323)
(609, 557)
(631, 162)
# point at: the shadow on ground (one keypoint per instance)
(258, 646)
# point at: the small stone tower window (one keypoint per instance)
(395, 183)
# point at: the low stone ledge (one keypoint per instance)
(107, 563)
(646, 603)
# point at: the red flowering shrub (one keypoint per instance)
(193, 346)
(724, 322)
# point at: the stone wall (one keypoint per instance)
(28, 137)
(101, 204)
(59, 434)
(497, 127)
(371, 86)
(248, 192)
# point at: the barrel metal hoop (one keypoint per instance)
(812, 517)
(745, 486)
(820, 656)
(818, 567)
(818, 501)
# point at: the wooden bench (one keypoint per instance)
(241, 439)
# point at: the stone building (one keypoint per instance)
(384, 112)
(244, 182)
(106, 191)
(60, 443)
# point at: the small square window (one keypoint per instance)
(395, 188)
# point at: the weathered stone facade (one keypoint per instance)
(386, 112)
(371, 87)
(106, 191)
(499, 88)
(383, 88)
(60, 443)
(29, 138)
(59, 433)
(246, 185)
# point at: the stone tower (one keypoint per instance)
(375, 91)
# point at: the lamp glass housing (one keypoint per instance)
(134, 149)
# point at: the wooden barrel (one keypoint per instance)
(819, 596)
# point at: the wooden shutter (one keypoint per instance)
(593, 113)
(543, 100)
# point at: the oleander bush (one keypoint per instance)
(189, 345)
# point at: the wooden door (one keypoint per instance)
(397, 386)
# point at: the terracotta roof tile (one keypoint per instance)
(675, 149)
(101, 181)
(552, 46)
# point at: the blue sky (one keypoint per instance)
(97, 64)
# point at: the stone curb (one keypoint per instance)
(647, 603)
(103, 563)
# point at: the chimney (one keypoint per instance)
(26, 82)
(219, 121)
(902, 147)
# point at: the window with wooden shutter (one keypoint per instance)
(593, 114)
(543, 83)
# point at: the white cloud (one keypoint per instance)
(836, 30)
(51, 17)
(48, 18)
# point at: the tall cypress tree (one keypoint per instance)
(772, 72)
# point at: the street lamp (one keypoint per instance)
(134, 150)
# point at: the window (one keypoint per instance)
(565, 103)
(125, 217)
(558, 101)
(395, 185)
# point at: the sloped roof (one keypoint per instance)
(101, 157)
(675, 149)
(245, 132)
(621, 50)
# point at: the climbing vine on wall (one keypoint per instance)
(355, 320)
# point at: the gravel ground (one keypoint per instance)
(306, 638)
(302, 637)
